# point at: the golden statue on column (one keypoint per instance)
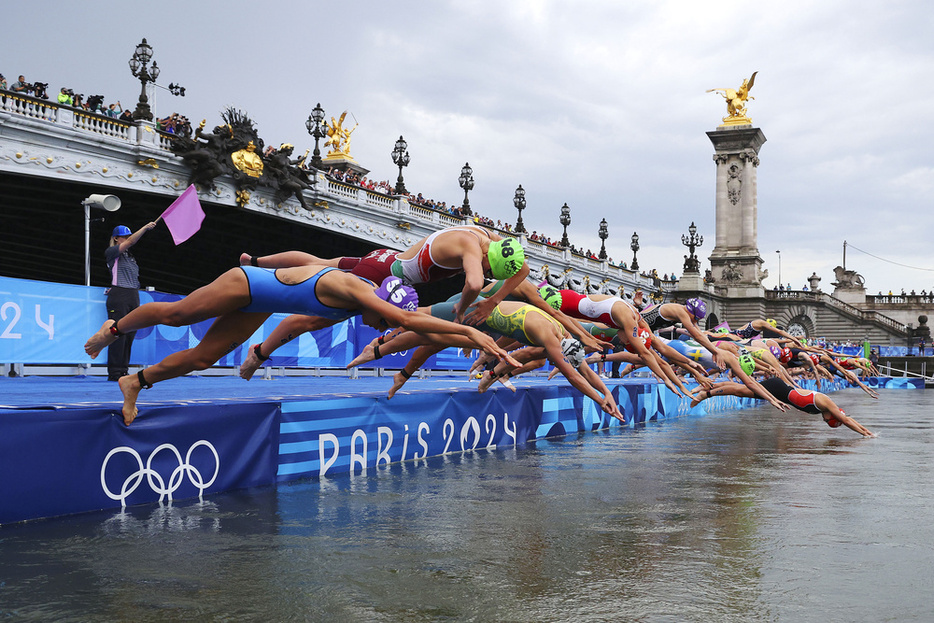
(736, 102)
(339, 139)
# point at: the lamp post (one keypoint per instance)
(692, 241)
(316, 129)
(111, 203)
(519, 201)
(604, 234)
(779, 268)
(466, 182)
(138, 65)
(565, 220)
(400, 158)
(634, 245)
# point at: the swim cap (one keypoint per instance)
(833, 422)
(643, 336)
(772, 322)
(786, 355)
(815, 358)
(776, 351)
(697, 307)
(394, 291)
(506, 258)
(121, 230)
(747, 364)
(573, 350)
(551, 295)
(722, 330)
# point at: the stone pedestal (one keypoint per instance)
(341, 162)
(852, 295)
(735, 262)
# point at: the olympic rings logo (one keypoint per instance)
(155, 479)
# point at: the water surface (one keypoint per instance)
(739, 516)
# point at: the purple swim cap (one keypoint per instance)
(394, 291)
(697, 307)
(776, 351)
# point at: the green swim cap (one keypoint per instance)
(747, 364)
(506, 258)
(551, 295)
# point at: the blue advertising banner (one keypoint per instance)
(63, 461)
(48, 323)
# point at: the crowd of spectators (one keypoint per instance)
(180, 125)
(68, 97)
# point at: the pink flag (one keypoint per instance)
(184, 216)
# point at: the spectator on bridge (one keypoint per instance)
(126, 115)
(64, 98)
(2, 82)
(21, 86)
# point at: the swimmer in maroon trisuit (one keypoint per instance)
(802, 399)
(243, 298)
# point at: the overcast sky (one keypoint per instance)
(598, 104)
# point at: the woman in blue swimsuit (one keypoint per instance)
(243, 298)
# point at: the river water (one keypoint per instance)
(738, 516)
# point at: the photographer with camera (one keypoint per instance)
(65, 97)
(21, 86)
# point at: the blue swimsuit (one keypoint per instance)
(269, 295)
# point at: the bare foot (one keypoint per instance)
(100, 340)
(368, 355)
(245, 259)
(507, 383)
(398, 380)
(698, 397)
(251, 364)
(130, 387)
(485, 382)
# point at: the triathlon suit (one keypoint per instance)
(510, 325)
(653, 316)
(269, 295)
(581, 306)
(691, 350)
(796, 361)
(801, 399)
(603, 333)
(422, 268)
(747, 332)
(374, 266)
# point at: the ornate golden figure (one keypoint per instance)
(339, 138)
(736, 102)
(248, 161)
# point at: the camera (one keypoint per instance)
(95, 102)
(39, 88)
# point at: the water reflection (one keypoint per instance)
(749, 515)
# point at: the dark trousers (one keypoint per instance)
(120, 302)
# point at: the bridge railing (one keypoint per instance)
(831, 301)
(138, 133)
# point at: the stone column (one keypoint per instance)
(735, 261)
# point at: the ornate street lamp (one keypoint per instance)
(315, 127)
(604, 234)
(400, 158)
(565, 220)
(634, 245)
(466, 182)
(519, 201)
(692, 241)
(138, 62)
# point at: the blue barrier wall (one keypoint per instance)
(56, 461)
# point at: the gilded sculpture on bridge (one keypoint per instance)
(339, 138)
(736, 102)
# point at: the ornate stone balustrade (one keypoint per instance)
(43, 138)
